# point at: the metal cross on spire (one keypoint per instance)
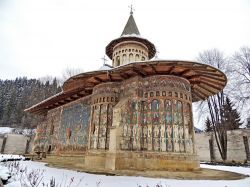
(131, 9)
(104, 60)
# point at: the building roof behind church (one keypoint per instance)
(131, 27)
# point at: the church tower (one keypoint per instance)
(130, 46)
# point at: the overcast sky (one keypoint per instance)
(44, 37)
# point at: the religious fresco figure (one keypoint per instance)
(181, 142)
(163, 138)
(186, 133)
(68, 135)
(176, 132)
(189, 145)
(181, 132)
(125, 130)
(179, 113)
(169, 131)
(175, 113)
(176, 145)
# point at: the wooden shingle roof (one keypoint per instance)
(205, 80)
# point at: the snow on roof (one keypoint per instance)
(105, 67)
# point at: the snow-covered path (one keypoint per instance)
(63, 176)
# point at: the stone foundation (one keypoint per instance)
(140, 161)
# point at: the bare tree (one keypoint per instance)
(69, 72)
(240, 78)
(214, 104)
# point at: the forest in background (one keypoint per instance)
(19, 94)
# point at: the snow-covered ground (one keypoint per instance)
(63, 177)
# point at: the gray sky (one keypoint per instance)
(44, 37)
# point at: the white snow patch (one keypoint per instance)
(63, 176)
(10, 156)
(4, 173)
(5, 130)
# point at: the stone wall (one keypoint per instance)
(15, 144)
(235, 145)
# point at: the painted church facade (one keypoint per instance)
(135, 114)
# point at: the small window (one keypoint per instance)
(112, 99)
(107, 99)
(118, 61)
(146, 95)
(181, 95)
(169, 93)
(130, 58)
(124, 56)
(151, 94)
(136, 57)
(175, 94)
(157, 93)
(103, 99)
(163, 93)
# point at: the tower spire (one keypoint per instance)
(131, 27)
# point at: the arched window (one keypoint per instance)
(136, 57)
(130, 57)
(118, 61)
(124, 56)
(143, 58)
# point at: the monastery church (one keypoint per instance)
(135, 114)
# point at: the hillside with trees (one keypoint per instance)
(19, 94)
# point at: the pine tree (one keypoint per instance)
(21, 93)
(231, 117)
(208, 125)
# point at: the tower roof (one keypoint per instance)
(131, 27)
(131, 33)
